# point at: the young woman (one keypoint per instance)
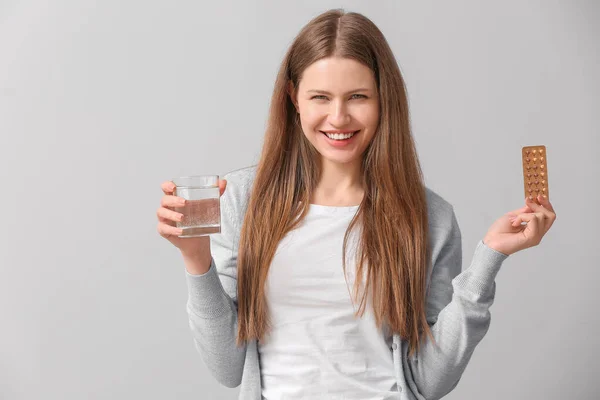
(337, 272)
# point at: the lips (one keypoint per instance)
(340, 142)
(354, 133)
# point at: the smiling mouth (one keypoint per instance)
(340, 136)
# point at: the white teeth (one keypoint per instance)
(339, 136)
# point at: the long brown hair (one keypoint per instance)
(393, 212)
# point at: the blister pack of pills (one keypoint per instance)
(535, 172)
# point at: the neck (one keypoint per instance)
(339, 185)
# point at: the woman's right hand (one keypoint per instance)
(194, 247)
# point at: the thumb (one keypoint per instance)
(222, 186)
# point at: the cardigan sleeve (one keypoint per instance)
(458, 314)
(212, 298)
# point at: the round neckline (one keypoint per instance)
(321, 209)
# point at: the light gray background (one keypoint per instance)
(102, 101)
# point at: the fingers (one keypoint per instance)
(535, 225)
(545, 208)
(528, 217)
(545, 203)
(165, 230)
(165, 214)
(172, 201)
(167, 217)
(168, 187)
(222, 186)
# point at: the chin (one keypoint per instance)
(339, 160)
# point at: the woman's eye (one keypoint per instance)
(354, 96)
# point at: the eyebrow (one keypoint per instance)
(326, 92)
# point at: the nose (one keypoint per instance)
(338, 115)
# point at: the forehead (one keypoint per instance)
(336, 74)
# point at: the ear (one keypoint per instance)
(293, 95)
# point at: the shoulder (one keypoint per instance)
(440, 213)
(237, 192)
(242, 177)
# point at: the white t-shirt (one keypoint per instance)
(318, 348)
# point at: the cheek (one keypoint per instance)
(311, 116)
(368, 117)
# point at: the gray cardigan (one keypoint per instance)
(457, 304)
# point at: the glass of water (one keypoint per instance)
(202, 212)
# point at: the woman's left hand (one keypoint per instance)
(508, 236)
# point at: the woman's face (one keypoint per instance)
(339, 108)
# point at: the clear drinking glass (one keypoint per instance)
(202, 212)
